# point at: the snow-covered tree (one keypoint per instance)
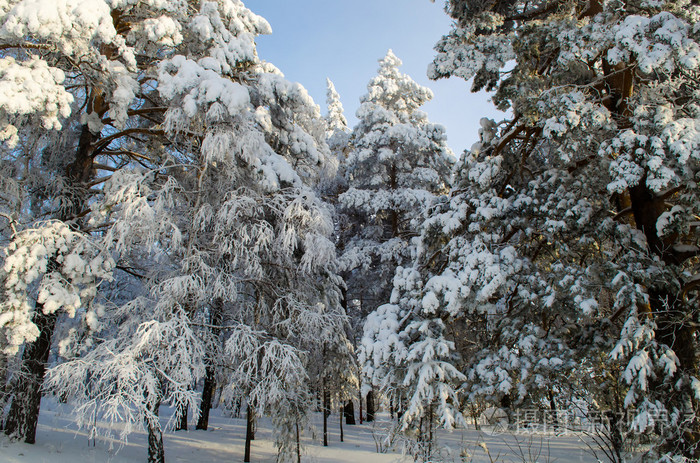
(577, 215)
(399, 162)
(77, 99)
(287, 290)
(213, 155)
(408, 353)
(337, 131)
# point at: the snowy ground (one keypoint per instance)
(59, 442)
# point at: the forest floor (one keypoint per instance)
(58, 441)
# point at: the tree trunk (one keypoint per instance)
(23, 416)
(249, 437)
(156, 451)
(298, 443)
(349, 412)
(326, 413)
(400, 408)
(207, 398)
(553, 408)
(670, 312)
(4, 387)
(360, 402)
(340, 415)
(475, 416)
(215, 318)
(666, 305)
(430, 431)
(370, 406)
(615, 436)
(506, 405)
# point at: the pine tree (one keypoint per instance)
(210, 207)
(398, 163)
(569, 234)
(337, 125)
(77, 99)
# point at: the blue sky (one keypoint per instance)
(342, 40)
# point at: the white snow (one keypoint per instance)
(58, 441)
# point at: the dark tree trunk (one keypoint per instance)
(506, 404)
(666, 305)
(670, 312)
(615, 436)
(349, 412)
(553, 407)
(249, 436)
(360, 402)
(237, 407)
(399, 408)
(4, 390)
(370, 406)
(23, 416)
(475, 416)
(340, 415)
(326, 413)
(430, 431)
(215, 318)
(207, 398)
(156, 451)
(298, 443)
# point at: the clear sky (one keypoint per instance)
(342, 40)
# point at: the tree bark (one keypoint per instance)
(23, 416)
(3, 385)
(666, 305)
(475, 416)
(553, 408)
(340, 415)
(430, 430)
(156, 451)
(207, 398)
(326, 413)
(298, 443)
(215, 318)
(670, 313)
(360, 402)
(370, 406)
(249, 437)
(182, 411)
(349, 412)
(615, 436)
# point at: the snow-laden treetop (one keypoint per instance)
(108, 41)
(336, 118)
(392, 89)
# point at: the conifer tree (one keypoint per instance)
(210, 205)
(336, 123)
(398, 163)
(570, 232)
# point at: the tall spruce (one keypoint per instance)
(398, 163)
